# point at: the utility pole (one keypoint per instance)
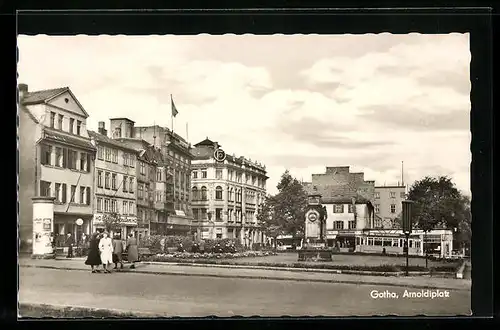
(407, 227)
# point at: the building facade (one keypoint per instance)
(175, 163)
(227, 195)
(115, 182)
(388, 205)
(56, 159)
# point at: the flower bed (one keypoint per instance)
(224, 259)
(194, 257)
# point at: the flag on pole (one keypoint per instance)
(174, 109)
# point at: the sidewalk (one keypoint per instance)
(258, 273)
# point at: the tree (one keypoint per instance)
(437, 202)
(266, 218)
(111, 222)
(284, 213)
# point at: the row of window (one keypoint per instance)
(392, 194)
(65, 158)
(110, 182)
(339, 225)
(179, 157)
(201, 194)
(111, 155)
(231, 176)
(384, 241)
(111, 205)
(377, 208)
(339, 208)
(232, 215)
(71, 124)
(60, 192)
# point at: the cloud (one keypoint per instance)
(406, 117)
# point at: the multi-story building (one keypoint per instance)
(152, 178)
(351, 199)
(175, 160)
(56, 159)
(115, 182)
(348, 214)
(388, 205)
(226, 196)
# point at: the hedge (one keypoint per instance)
(218, 260)
(153, 242)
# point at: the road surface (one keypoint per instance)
(192, 296)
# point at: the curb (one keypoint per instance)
(254, 277)
(289, 269)
(460, 272)
(307, 270)
(80, 311)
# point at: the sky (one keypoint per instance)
(292, 102)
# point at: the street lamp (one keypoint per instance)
(209, 214)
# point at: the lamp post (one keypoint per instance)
(209, 214)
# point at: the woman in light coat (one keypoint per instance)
(106, 249)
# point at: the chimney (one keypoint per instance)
(23, 90)
(102, 128)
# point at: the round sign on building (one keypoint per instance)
(219, 155)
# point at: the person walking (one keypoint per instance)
(132, 250)
(106, 249)
(117, 251)
(69, 243)
(93, 257)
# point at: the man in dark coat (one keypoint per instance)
(69, 243)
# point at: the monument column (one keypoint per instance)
(43, 226)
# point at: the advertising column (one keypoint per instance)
(43, 226)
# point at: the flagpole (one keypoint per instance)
(187, 133)
(172, 113)
(154, 134)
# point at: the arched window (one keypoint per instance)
(194, 192)
(203, 193)
(231, 194)
(218, 193)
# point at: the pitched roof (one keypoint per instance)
(206, 142)
(43, 95)
(104, 139)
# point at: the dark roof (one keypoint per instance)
(104, 139)
(53, 135)
(206, 142)
(122, 118)
(336, 193)
(43, 95)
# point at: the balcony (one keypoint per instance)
(160, 206)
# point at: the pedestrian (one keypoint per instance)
(117, 251)
(53, 242)
(69, 243)
(202, 246)
(93, 257)
(106, 249)
(132, 250)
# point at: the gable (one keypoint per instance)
(68, 101)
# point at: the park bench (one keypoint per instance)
(142, 252)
